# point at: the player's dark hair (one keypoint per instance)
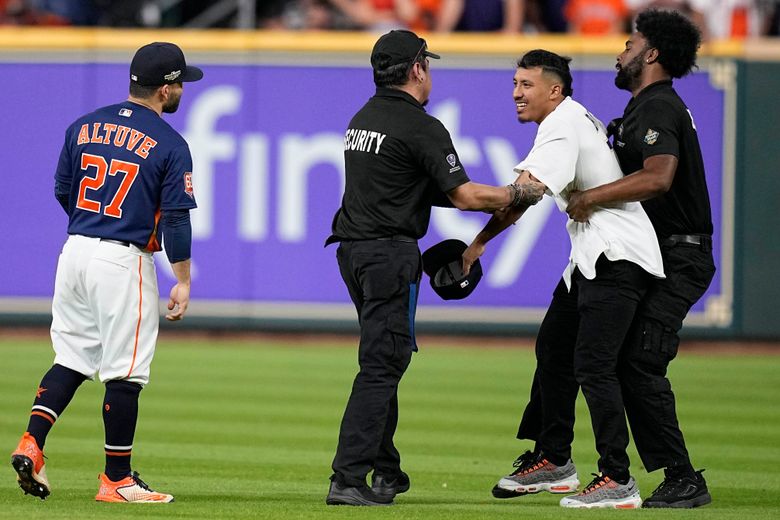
(141, 91)
(550, 63)
(675, 36)
(396, 75)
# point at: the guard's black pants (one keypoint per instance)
(382, 277)
(578, 346)
(650, 345)
(650, 402)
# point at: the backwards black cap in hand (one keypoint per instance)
(443, 263)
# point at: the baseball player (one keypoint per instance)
(613, 259)
(124, 178)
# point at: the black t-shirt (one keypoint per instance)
(399, 162)
(657, 122)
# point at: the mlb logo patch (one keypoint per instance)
(188, 184)
(452, 159)
(125, 112)
(651, 136)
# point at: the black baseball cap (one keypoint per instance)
(161, 63)
(398, 46)
(444, 265)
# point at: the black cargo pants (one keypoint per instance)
(382, 277)
(652, 345)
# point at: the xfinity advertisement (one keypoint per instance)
(268, 144)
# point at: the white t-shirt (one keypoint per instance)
(571, 152)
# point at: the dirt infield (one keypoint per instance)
(708, 347)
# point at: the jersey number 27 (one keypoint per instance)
(101, 166)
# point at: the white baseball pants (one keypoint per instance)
(105, 310)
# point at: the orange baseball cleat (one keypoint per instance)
(129, 489)
(27, 461)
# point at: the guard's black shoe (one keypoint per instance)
(680, 492)
(384, 486)
(339, 495)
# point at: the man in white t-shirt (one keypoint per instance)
(613, 258)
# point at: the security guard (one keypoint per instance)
(399, 162)
(658, 148)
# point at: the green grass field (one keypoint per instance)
(247, 429)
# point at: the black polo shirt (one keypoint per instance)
(399, 161)
(657, 122)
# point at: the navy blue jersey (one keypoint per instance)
(120, 166)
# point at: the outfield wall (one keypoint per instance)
(266, 130)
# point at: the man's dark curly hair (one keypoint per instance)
(675, 36)
(550, 63)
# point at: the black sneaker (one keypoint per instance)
(384, 486)
(339, 495)
(680, 492)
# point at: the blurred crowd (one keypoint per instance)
(717, 18)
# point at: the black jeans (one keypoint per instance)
(651, 344)
(382, 278)
(578, 347)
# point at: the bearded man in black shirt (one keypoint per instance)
(658, 150)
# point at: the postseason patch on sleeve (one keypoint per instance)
(651, 137)
(188, 188)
